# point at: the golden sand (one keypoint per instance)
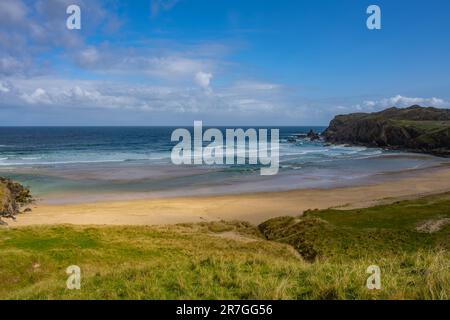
(254, 208)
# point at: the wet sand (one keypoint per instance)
(253, 207)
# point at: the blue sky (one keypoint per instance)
(226, 62)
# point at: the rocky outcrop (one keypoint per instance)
(416, 129)
(12, 197)
(313, 135)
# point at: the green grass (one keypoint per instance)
(234, 260)
(432, 133)
(354, 233)
(2, 194)
(423, 125)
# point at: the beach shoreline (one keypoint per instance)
(252, 207)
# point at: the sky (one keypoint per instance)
(225, 62)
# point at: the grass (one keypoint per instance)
(321, 255)
(429, 133)
(353, 233)
(2, 194)
(140, 263)
(3, 199)
(423, 125)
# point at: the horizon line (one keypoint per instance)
(153, 126)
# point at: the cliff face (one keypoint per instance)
(415, 129)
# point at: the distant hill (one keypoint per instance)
(415, 129)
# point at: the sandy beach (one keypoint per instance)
(252, 207)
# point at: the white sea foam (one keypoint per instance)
(30, 158)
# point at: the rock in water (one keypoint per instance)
(312, 135)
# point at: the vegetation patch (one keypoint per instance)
(189, 261)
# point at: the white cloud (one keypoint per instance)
(402, 101)
(172, 99)
(203, 79)
(10, 65)
(12, 11)
(4, 88)
(172, 65)
(38, 96)
(30, 29)
(182, 64)
(89, 56)
(255, 86)
(165, 67)
(398, 101)
(249, 101)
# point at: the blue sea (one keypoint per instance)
(71, 164)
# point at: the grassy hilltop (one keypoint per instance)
(321, 255)
(415, 129)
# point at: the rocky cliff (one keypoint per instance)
(415, 129)
(12, 196)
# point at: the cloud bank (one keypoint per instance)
(46, 69)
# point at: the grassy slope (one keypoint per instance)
(389, 229)
(2, 193)
(430, 130)
(193, 262)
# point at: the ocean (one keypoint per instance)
(71, 164)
